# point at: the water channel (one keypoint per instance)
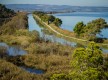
(33, 25)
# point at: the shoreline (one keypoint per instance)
(52, 28)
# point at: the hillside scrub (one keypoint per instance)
(5, 14)
(9, 71)
(54, 59)
(50, 57)
(20, 21)
(15, 31)
(86, 64)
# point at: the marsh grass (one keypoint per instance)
(9, 71)
(50, 57)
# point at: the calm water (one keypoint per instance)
(16, 50)
(13, 50)
(35, 71)
(34, 26)
(71, 19)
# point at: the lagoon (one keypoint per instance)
(33, 25)
(71, 19)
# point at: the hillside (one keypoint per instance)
(5, 13)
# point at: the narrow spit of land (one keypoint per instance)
(63, 34)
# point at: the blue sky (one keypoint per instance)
(59, 2)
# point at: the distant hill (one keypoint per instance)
(5, 12)
(58, 8)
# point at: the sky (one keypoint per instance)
(59, 2)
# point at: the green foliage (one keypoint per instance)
(90, 30)
(5, 13)
(59, 77)
(86, 65)
(48, 18)
(58, 22)
(95, 26)
(51, 18)
(79, 28)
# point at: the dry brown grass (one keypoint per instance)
(9, 71)
(52, 58)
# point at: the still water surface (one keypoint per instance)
(33, 25)
(71, 19)
(13, 50)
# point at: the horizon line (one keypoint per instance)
(54, 4)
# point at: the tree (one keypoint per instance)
(79, 28)
(90, 30)
(86, 65)
(51, 18)
(6, 13)
(58, 22)
(95, 26)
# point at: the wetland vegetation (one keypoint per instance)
(57, 61)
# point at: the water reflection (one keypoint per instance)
(34, 25)
(13, 50)
(71, 19)
(47, 36)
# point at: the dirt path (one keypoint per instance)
(59, 32)
(63, 34)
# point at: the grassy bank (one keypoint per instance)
(62, 32)
(20, 21)
(50, 57)
(65, 33)
(53, 58)
(15, 31)
(9, 71)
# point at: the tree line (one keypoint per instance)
(48, 18)
(90, 29)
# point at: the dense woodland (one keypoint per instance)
(59, 62)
